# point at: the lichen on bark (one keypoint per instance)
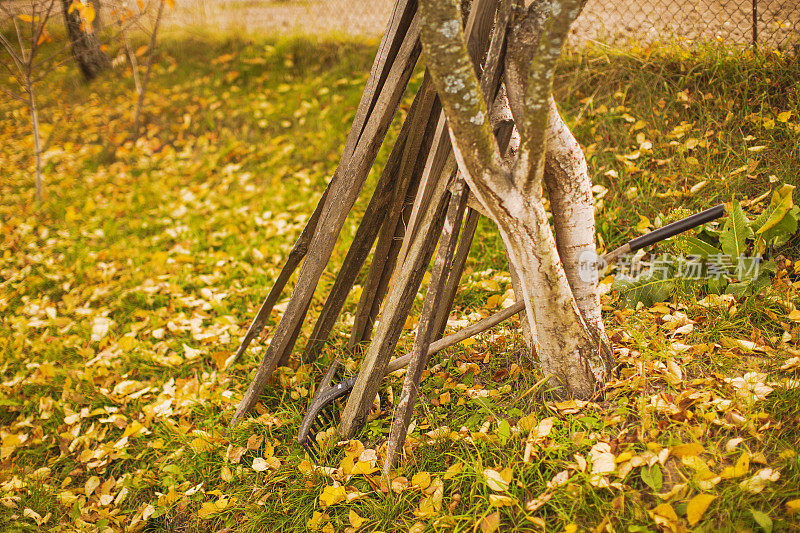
(571, 343)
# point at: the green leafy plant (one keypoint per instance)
(652, 477)
(730, 261)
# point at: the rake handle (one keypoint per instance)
(657, 235)
(670, 230)
(460, 335)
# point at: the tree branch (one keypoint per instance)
(459, 91)
(557, 18)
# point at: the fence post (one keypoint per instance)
(755, 24)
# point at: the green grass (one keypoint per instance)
(726, 96)
(178, 238)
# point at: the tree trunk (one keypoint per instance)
(37, 145)
(566, 177)
(562, 309)
(97, 23)
(84, 43)
(569, 188)
(137, 117)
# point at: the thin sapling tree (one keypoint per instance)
(22, 61)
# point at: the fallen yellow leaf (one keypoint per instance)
(697, 506)
(453, 470)
(126, 343)
(499, 500)
(221, 359)
(757, 482)
(665, 510)
(421, 480)
(201, 444)
(210, 508)
(495, 480)
(332, 495)
(741, 467)
(490, 523)
(355, 520)
(316, 520)
(687, 450)
(363, 467)
(91, 484)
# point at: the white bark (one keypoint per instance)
(566, 350)
(519, 295)
(566, 176)
(570, 349)
(569, 188)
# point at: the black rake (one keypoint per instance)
(321, 407)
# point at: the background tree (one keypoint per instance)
(79, 18)
(141, 86)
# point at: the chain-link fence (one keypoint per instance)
(314, 17)
(769, 23)
(766, 23)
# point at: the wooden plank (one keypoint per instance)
(399, 22)
(387, 334)
(385, 255)
(456, 270)
(384, 276)
(495, 56)
(357, 169)
(490, 85)
(440, 162)
(441, 290)
(403, 290)
(478, 29)
(343, 194)
(396, 29)
(371, 223)
(296, 255)
(386, 106)
(427, 324)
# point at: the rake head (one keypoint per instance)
(321, 410)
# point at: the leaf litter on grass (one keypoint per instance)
(125, 293)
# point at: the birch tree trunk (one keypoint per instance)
(562, 308)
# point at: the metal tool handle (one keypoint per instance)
(326, 393)
(670, 230)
